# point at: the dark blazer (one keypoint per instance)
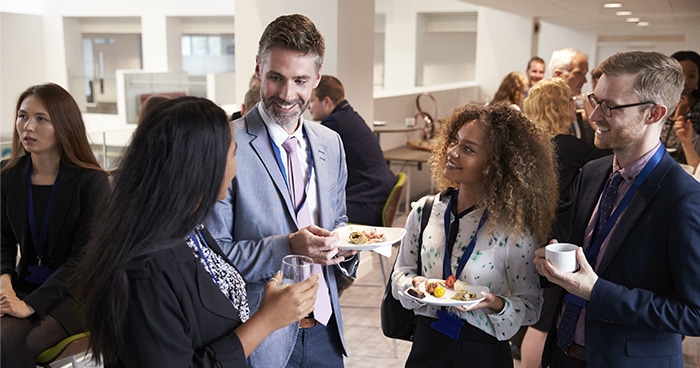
(78, 194)
(369, 178)
(648, 293)
(177, 316)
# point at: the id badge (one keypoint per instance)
(38, 274)
(448, 324)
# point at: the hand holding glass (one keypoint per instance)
(296, 268)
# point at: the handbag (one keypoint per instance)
(397, 321)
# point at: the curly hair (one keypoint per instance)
(549, 106)
(511, 90)
(521, 168)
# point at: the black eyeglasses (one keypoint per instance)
(607, 109)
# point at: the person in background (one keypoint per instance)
(572, 66)
(496, 171)
(289, 195)
(158, 291)
(150, 104)
(252, 96)
(680, 132)
(534, 72)
(635, 218)
(52, 187)
(511, 91)
(369, 179)
(550, 107)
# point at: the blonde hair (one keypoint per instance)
(520, 174)
(548, 105)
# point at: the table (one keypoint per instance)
(379, 129)
(407, 156)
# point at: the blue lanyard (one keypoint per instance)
(283, 168)
(449, 241)
(593, 250)
(39, 238)
(592, 253)
(201, 253)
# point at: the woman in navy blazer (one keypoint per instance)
(51, 186)
(158, 290)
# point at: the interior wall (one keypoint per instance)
(554, 37)
(20, 65)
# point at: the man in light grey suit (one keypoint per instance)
(257, 224)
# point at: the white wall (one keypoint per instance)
(18, 58)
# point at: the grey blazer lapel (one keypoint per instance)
(319, 152)
(261, 144)
(634, 210)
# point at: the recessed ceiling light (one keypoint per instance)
(612, 5)
(623, 13)
(643, 24)
(633, 20)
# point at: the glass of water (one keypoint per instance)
(296, 268)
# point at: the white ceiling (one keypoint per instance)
(664, 16)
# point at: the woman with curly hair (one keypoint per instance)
(497, 175)
(511, 92)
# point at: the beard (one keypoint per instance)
(284, 119)
(623, 137)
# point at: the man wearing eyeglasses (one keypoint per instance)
(637, 219)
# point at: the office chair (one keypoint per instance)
(389, 212)
(70, 347)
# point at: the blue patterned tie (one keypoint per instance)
(567, 325)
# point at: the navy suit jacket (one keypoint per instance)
(648, 293)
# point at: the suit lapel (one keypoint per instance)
(63, 198)
(634, 210)
(259, 140)
(319, 151)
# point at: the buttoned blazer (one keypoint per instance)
(648, 293)
(253, 223)
(78, 194)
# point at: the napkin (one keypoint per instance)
(384, 250)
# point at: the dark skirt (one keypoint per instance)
(475, 348)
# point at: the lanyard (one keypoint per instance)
(278, 156)
(201, 253)
(38, 237)
(593, 250)
(592, 253)
(451, 229)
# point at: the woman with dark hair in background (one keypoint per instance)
(158, 290)
(497, 174)
(51, 188)
(680, 132)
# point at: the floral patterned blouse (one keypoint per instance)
(501, 261)
(226, 277)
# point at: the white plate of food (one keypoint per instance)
(360, 237)
(466, 294)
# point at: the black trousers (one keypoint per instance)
(475, 348)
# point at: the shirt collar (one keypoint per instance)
(277, 133)
(630, 172)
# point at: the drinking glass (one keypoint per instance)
(296, 268)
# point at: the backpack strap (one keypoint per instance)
(427, 209)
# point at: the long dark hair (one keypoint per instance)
(69, 128)
(168, 181)
(691, 56)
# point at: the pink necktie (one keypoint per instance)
(323, 310)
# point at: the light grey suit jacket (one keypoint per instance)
(252, 224)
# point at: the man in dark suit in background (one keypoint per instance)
(637, 288)
(369, 179)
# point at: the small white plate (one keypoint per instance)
(391, 236)
(447, 301)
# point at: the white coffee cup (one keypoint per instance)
(562, 256)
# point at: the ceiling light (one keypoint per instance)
(643, 24)
(612, 5)
(623, 13)
(633, 20)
